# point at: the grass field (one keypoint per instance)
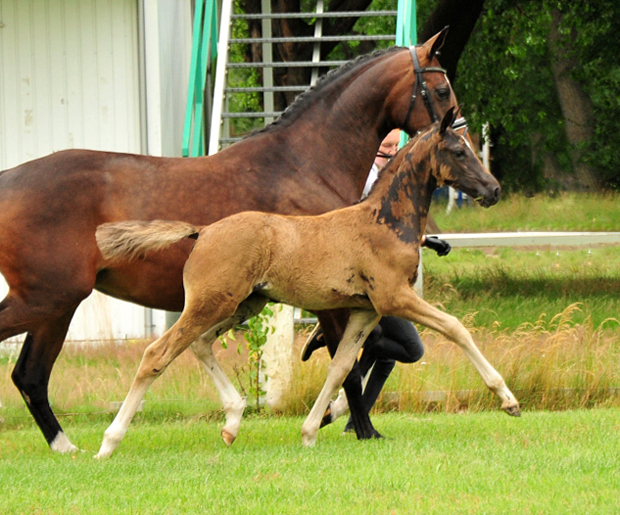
(483, 463)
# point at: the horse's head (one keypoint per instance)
(457, 165)
(424, 93)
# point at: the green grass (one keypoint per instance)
(537, 314)
(566, 212)
(485, 463)
(505, 287)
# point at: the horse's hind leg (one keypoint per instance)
(34, 366)
(32, 373)
(233, 404)
(358, 328)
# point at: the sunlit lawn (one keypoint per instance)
(484, 463)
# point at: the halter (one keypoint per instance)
(419, 71)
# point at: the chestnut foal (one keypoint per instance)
(367, 262)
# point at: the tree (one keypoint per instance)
(574, 101)
(544, 74)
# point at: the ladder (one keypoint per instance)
(244, 92)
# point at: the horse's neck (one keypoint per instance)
(402, 195)
(335, 133)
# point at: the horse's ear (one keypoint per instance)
(447, 121)
(433, 45)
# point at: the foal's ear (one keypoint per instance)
(447, 121)
(436, 42)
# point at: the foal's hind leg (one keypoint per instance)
(155, 360)
(360, 324)
(234, 405)
(331, 322)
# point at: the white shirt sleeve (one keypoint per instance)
(372, 177)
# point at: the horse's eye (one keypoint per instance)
(443, 93)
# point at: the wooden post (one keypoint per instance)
(278, 356)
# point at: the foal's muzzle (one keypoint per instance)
(491, 196)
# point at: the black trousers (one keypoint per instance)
(394, 339)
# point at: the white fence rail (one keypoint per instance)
(526, 239)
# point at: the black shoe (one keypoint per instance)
(315, 341)
(349, 428)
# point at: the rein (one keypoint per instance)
(419, 78)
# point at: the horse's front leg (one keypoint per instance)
(361, 322)
(406, 304)
(333, 323)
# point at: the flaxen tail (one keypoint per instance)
(128, 240)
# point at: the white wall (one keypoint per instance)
(70, 78)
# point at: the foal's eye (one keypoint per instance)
(459, 154)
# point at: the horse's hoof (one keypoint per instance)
(308, 441)
(62, 445)
(513, 411)
(374, 434)
(228, 438)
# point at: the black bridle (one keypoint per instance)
(459, 123)
(419, 79)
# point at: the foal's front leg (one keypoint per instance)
(406, 304)
(361, 322)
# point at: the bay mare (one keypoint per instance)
(363, 258)
(315, 158)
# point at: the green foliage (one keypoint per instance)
(505, 78)
(243, 78)
(256, 337)
(598, 49)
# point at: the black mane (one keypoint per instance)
(301, 102)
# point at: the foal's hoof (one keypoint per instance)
(327, 417)
(513, 411)
(228, 438)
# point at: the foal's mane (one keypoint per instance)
(302, 101)
(393, 164)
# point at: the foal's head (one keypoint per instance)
(455, 163)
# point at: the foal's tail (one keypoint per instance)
(128, 240)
